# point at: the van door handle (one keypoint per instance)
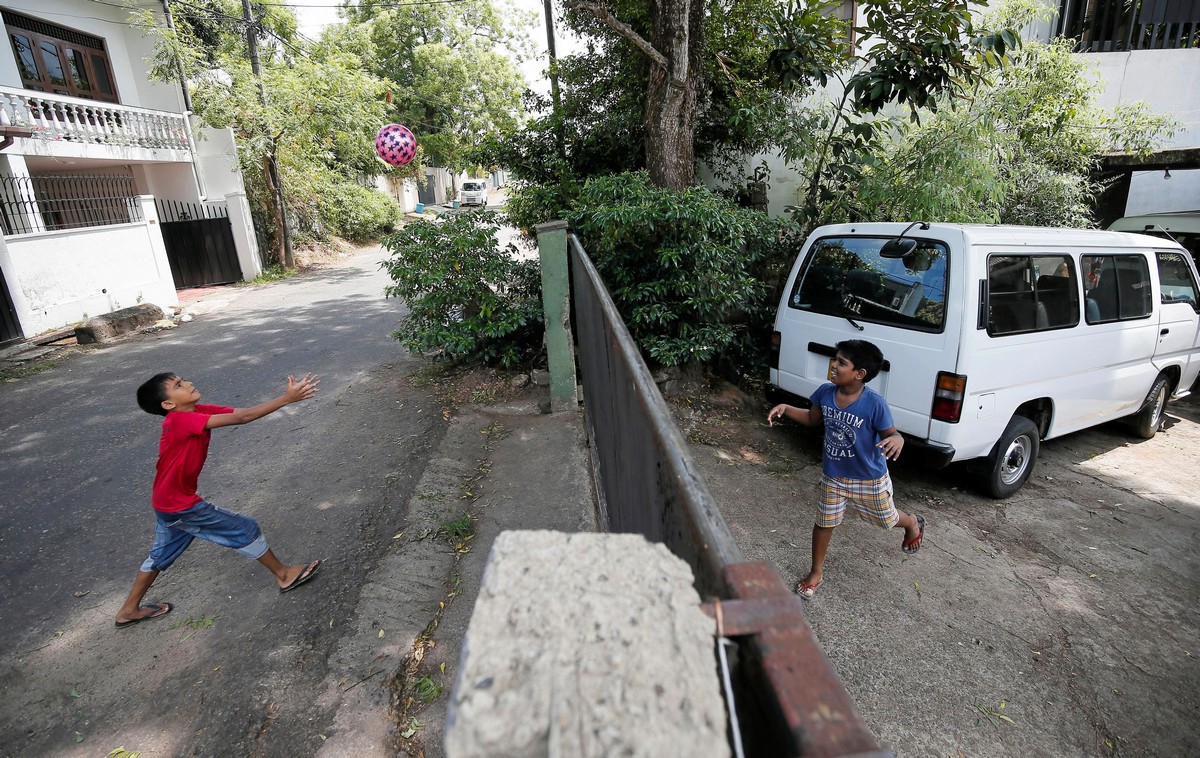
(1164, 331)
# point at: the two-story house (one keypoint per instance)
(1144, 50)
(109, 194)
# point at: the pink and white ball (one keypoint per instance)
(395, 144)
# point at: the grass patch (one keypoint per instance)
(13, 372)
(274, 273)
(425, 689)
(458, 529)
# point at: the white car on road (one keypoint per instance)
(473, 192)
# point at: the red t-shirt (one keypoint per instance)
(182, 450)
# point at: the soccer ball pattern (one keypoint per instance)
(395, 144)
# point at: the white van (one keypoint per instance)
(473, 192)
(995, 338)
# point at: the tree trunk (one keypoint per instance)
(670, 116)
(277, 212)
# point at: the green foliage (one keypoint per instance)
(467, 298)
(358, 213)
(922, 51)
(322, 110)
(1019, 152)
(451, 78)
(690, 272)
(530, 203)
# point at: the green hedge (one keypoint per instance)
(468, 298)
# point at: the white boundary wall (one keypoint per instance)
(61, 277)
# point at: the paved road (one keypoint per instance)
(1068, 609)
(236, 666)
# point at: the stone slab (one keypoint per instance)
(586, 645)
(109, 326)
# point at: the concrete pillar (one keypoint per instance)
(586, 645)
(165, 294)
(244, 239)
(556, 304)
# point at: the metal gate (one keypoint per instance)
(10, 327)
(199, 242)
(425, 191)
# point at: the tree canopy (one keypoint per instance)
(452, 69)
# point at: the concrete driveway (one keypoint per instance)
(1060, 622)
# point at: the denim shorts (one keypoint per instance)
(175, 531)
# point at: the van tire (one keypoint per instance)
(1011, 460)
(1147, 421)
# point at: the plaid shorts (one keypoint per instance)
(872, 498)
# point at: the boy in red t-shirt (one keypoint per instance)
(182, 515)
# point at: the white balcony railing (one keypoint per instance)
(72, 119)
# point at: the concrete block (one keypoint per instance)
(586, 645)
(108, 326)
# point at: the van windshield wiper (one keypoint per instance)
(854, 323)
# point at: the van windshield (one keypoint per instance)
(847, 277)
(472, 186)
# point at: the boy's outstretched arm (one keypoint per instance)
(296, 391)
(810, 417)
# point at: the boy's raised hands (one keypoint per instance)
(302, 389)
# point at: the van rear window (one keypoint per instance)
(846, 276)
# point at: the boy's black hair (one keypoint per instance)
(153, 392)
(864, 355)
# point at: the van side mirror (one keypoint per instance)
(898, 248)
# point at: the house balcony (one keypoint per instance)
(69, 127)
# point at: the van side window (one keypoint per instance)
(847, 277)
(1175, 283)
(1121, 289)
(1030, 293)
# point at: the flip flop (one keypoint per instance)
(912, 546)
(806, 590)
(308, 573)
(156, 610)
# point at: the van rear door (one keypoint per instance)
(1179, 324)
(844, 290)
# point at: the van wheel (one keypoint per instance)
(1011, 460)
(1146, 421)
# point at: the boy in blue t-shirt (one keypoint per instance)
(860, 437)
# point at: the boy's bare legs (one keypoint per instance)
(284, 575)
(912, 529)
(820, 543)
(132, 609)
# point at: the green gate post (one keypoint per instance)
(556, 304)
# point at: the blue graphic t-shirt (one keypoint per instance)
(851, 433)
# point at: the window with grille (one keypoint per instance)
(52, 58)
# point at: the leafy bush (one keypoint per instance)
(357, 213)
(530, 203)
(467, 298)
(692, 274)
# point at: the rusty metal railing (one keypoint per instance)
(790, 701)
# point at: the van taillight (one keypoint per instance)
(776, 339)
(948, 397)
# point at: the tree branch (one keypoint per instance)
(605, 16)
